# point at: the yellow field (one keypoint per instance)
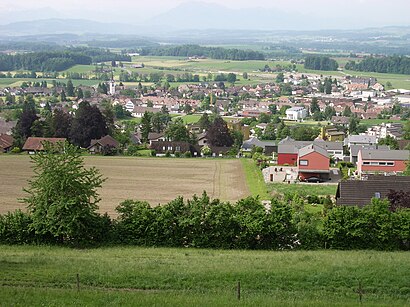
(156, 180)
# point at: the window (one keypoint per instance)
(304, 162)
(390, 163)
(366, 163)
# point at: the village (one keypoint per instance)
(305, 127)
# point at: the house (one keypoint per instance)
(34, 144)
(139, 111)
(288, 150)
(162, 147)
(340, 120)
(271, 146)
(354, 150)
(296, 113)
(360, 140)
(6, 142)
(155, 137)
(313, 161)
(361, 192)
(106, 142)
(382, 161)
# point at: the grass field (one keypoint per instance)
(254, 179)
(303, 189)
(156, 180)
(128, 276)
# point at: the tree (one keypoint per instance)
(406, 130)
(347, 112)
(264, 118)
(26, 120)
(204, 122)
(231, 78)
(63, 96)
(80, 93)
(280, 77)
(61, 124)
(329, 112)
(63, 196)
(269, 133)
(70, 88)
(218, 134)
(245, 75)
(389, 141)
(314, 106)
(146, 127)
(177, 131)
(89, 123)
(353, 125)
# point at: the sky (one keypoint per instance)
(362, 13)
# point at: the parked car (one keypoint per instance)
(313, 179)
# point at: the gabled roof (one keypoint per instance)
(361, 139)
(313, 148)
(354, 149)
(6, 141)
(105, 141)
(36, 143)
(155, 136)
(374, 154)
(360, 192)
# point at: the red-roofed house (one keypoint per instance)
(34, 144)
(382, 161)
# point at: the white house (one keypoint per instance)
(296, 113)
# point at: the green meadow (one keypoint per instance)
(130, 276)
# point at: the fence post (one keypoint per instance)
(78, 282)
(238, 293)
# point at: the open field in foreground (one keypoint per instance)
(156, 180)
(46, 276)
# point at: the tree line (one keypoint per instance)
(390, 64)
(320, 63)
(210, 52)
(57, 60)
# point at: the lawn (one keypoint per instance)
(132, 276)
(254, 179)
(303, 189)
(373, 122)
(156, 180)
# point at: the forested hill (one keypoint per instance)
(57, 60)
(391, 64)
(217, 53)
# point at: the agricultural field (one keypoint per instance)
(156, 180)
(131, 276)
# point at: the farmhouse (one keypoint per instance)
(313, 161)
(106, 142)
(361, 192)
(6, 142)
(382, 161)
(34, 144)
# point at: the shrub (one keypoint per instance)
(187, 154)
(15, 150)
(15, 228)
(177, 154)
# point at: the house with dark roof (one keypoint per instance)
(361, 192)
(105, 143)
(313, 161)
(6, 142)
(371, 161)
(162, 147)
(34, 144)
(155, 137)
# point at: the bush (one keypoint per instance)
(15, 228)
(15, 150)
(187, 154)
(167, 154)
(177, 154)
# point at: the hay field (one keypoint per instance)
(156, 180)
